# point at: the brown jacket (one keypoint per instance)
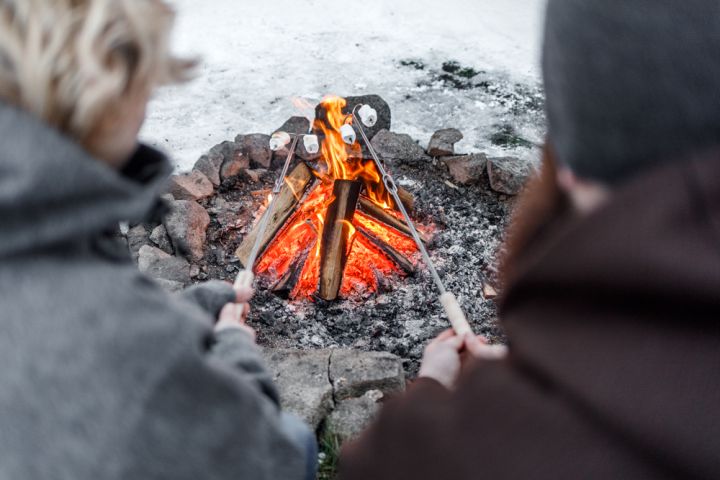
(614, 366)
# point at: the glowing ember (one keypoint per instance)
(373, 248)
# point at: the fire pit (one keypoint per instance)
(334, 230)
(338, 267)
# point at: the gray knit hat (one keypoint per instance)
(631, 83)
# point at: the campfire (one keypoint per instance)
(334, 230)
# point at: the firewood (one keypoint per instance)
(284, 286)
(336, 236)
(407, 199)
(397, 257)
(379, 214)
(288, 199)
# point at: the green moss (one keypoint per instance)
(507, 137)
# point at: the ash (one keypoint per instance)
(469, 224)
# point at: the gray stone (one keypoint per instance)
(190, 186)
(137, 237)
(159, 264)
(509, 175)
(400, 148)
(297, 125)
(161, 239)
(302, 379)
(384, 113)
(210, 166)
(466, 169)
(187, 225)
(354, 373)
(354, 415)
(442, 143)
(256, 147)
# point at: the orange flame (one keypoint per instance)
(296, 248)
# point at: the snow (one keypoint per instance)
(257, 56)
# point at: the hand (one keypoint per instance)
(478, 347)
(229, 314)
(441, 359)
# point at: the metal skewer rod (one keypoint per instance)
(447, 299)
(246, 277)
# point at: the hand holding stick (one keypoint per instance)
(246, 277)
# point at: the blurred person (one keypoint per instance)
(104, 375)
(612, 276)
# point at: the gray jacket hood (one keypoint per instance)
(52, 191)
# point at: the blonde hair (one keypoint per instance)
(71, 62)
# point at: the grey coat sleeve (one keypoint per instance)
(211, 296)
(203, 419)
(235, 348)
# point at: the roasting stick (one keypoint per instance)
(448, 300)
(246, 277)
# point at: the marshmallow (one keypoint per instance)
(368, 116)
(312, 146)
(348, 134)
(279, 140)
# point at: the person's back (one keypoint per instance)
(104, 374)
(612, 300)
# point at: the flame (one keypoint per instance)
(296, 248)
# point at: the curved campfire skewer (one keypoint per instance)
(246, 277)
(447, 299)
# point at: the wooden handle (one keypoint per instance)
(244, 279)
(455, 314)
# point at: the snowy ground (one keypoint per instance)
(259, 55)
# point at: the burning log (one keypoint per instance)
(379, 214)
(336, 237)
(286, 203)
(389, 251)
(284, 286)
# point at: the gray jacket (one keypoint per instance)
(104, 375)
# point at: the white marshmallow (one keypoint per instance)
(312, 145)
(368, 116)
(348, 134)
(279, 140)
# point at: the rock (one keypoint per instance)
(467, 169)
(508, 175)
(354, 373)
(159, 264)
(210, 166)
(384, 121)
(297, 125)
(191, 186)
(399, 148)
(234, 165)
(137, 237)
(353, 415)
(302, 379)
(442, 143)
(161, 239)
(170, 286)
(225, 160)
(256, 147)
(254, 175)
(187, 225)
